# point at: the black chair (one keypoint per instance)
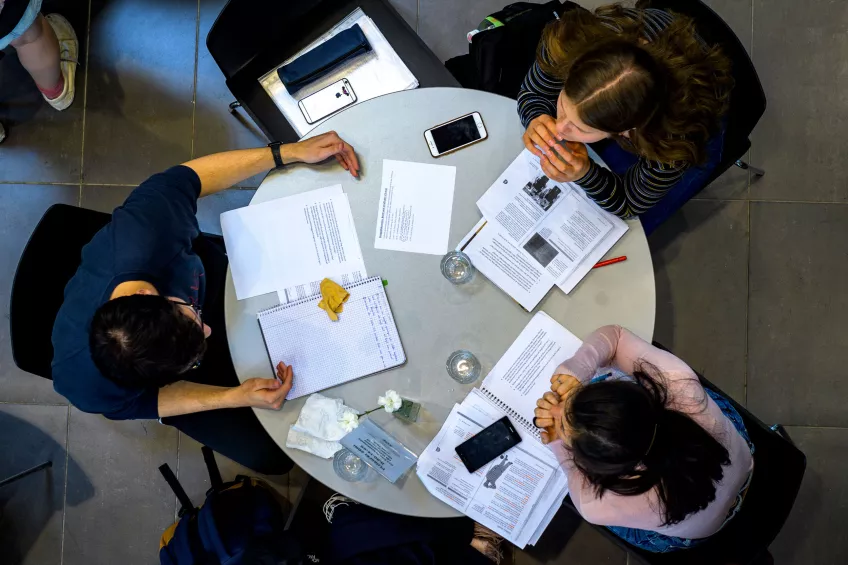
(251, 37)
(748, 101)
(778, 471)
(50, 258)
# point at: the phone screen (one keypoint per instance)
(455, 134)
(327, 100)
(479, 450)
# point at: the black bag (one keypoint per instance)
(240, 523)
(499, 58)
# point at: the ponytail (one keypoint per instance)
(626, 440)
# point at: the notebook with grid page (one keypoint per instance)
(324, 353)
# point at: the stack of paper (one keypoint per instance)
(290, 244)
(537, 233)
(378, 73)
(517, 494)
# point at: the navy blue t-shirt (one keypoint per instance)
(148, 239)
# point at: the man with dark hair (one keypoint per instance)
(141, 331)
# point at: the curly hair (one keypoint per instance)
(669, 94)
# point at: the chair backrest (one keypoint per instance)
(244, 28)
(50, 259)
(748, 100)
(778, 471)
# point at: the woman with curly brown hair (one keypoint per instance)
(638, 76)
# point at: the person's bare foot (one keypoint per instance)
(68, 56)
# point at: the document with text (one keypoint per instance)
(416, 202)
(290, 242)
(554, 224)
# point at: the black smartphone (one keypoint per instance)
(484, 447)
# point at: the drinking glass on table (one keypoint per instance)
(463, 367)
(349, 466)
(457, 267)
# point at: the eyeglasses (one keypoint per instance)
(198, 314)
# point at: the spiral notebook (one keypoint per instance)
(324, 353)
(524, 372)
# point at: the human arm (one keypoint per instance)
(633, 193)
(184, 397)
(220, 171)
(538, 93)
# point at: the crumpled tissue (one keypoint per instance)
(318, 428)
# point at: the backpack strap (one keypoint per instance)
(212, 468)
(185, 502)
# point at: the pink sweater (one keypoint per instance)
(617, 347)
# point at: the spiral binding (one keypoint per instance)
(281, 307)
(528, 425)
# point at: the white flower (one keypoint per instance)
(391, 402)
(349, 421)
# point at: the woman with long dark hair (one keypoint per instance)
(641, 77)
(648, 451)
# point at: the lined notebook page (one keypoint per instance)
(523, 374)
(324, 353)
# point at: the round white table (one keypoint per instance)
(433, 317)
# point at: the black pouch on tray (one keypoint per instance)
(314, 64)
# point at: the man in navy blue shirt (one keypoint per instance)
(141, 331)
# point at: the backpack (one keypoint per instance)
(501, 54)
(239, 523)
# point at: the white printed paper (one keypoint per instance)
(502, 262)
(291, 241)
(416, 201)
(553, 223)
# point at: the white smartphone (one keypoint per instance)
(327, 101)
(455, 134)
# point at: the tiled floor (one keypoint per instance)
(750, 279)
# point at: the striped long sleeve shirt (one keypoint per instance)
(643, 184)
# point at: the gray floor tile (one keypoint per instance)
(140, 87)
(814, 532)
(195, 478)
(409, 10)
(802, 138)
(209, 208)
(797, 311)
(731, 185)
(443, 24)
(132, 503)
(700, 263)
(215, 129)
(103, 198)
(585, 546)
(21, 207)
(31, 521)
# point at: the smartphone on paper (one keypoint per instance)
(455, 134)
(477, 451)
(327, 101)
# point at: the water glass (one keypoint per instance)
(463, 367)
(349, 466)
(457, 267)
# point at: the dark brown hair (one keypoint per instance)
(669, 94)
(628, 438)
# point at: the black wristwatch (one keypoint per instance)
(275, 150)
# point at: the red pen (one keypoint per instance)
(610, 261)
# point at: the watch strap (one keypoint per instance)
(275, 151)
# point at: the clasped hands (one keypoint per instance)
(561, 160)
(550, 409)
